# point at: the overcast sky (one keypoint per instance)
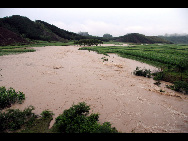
(115, 21)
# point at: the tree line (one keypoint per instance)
(88, 42)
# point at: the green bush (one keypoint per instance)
(13, 119)
(10, 96)
(158, 76)
(180, 86)
(142, 72)
(46, 114)
(76, 120)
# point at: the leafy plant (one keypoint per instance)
(13, 119)
(39, 125)
(76, 120)
(10, 96)
(158, 83)
(158, 75)
(104, 59)
(180, 86)
(46, 114)
(142, 72)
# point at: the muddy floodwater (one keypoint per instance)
(55, 77)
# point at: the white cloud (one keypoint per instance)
(98, 28)
(115, 21)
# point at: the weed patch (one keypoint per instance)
(10, 96)
(76, 120)
(13, 119)
(142, 72)
(180, 86)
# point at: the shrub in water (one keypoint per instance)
(10, 96)
(142, 72)
(13, 119)
(180, 86)
(76, 120)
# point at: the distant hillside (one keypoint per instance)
(21, 29)
(176, 39)
(8, 37)
(140, 38)
(36, 30)
(60, 32)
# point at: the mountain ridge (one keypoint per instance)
(140, 38)
(27, 30)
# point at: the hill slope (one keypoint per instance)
(176, 39)
(140, 38)
(36, 30)
(8, 37)
(40, 30)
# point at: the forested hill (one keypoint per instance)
(36, 30)
(181, 39)
(140, 38)
(22, 30)
(8, 37)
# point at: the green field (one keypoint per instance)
(6, 50)
(171, 58)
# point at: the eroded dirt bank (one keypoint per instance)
(56, 77)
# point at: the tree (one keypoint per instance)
(88, 42)
(107, 35)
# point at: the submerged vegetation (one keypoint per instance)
(76, 119)
(142, 72)
(88, 42)
(10, 96)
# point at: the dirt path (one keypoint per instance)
(56, 77)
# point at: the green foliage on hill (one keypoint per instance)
(36, 30)
(176, 39)
(60, 32)
(40, 30)
(140, 38)
(22, 25)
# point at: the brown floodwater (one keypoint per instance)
(55, 77)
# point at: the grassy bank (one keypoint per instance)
(6, 50)
(171, 58)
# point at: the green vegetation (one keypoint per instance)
(104, 59)
(38, 125)
(19, 29)
(180, 86)
(6, 50)
(39, 43)
(176, 39)
(142, 72)
(36, 30)
(13, 51)
(14, 119)
(140, 38)
(10, 96)
(172, 59)
(88, 42)
(76, 120)
(73, 120)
